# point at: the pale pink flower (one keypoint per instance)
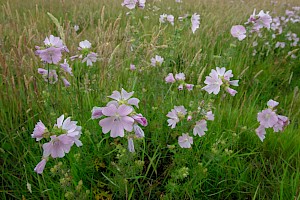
(267, 118)
(39, 131)
(50, 55)
(210, 116)
(66, 82)
(66, 67)
(132, 67)
(124, 97)
(40, 166)
(163, 18)
(130, 4)
(170, 18)
(180, 77)
(141, 3)
(282, 122)
(231, 91)
(58, 146)
(170, 78)
(272, 104)
(185, 141)
(175, 115)
(139, 118)
(117, 120)
(264, 20)
(200, 128)
(213, 83)
(189, 87)
(139, 133)
(157, 60)
(71, 129)
(130, 145)
(195, 22)
(189, 118)
(85, 44)
(261, 132)
(238, 32)
(53, 41)
(90, 59)
(76, 28)
(97, 112)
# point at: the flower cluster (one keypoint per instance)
(63, 136)
(220, 77)
(131, 4)
(269, 119)
(164, 18)
(179, 113)
(86, 55)
(180, 78)
(119, 116)
(51, 54)
(256, 22)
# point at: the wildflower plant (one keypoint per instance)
(120, 118)
(268, 118)
(63, 135)
(51, 55)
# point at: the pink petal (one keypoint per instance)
(109, 110)
(125, 95)
(134, 101)
(106, 124)
(124, 110)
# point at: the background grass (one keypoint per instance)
(230, 162)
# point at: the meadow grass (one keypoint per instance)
(229, 162)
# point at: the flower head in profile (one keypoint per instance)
(39, 131)
(117, 120)
(238, 32)
(124, 98)
(66, 67)
(185, 141)
(175, 115)
(195, 22)
(170, 78)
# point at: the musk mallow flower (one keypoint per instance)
(170, 78)
(39, 131)
(175, 115)
(261, 132)
(139, 118)
(185, 141)
(238, 31)
(66, 67)
(139, 133)
(53, 41)
(66, 82)
(90, 59)
(180, 77)
(210, 116)
(157, 60)
(195, 19)
(213, 83)
(58, 146)
(170, 18)
(76, 28)
(85, 44)
(124, 98)
(130, 4)
(97, 112)
(267, 118)
(50, 55)
(272, 104)
(282, 122)
(117, 120)
(200, 128)
(40, 166)
(130, 145)
(220, 77)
